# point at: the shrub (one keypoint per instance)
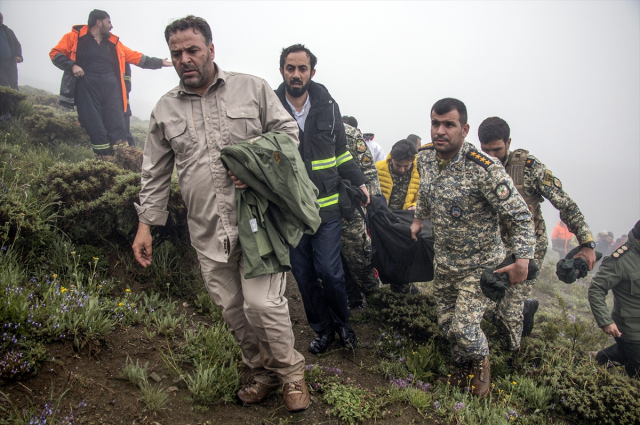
(353, 403)
(48, 125)
(128, 158)
(414, 314)
(13, 103)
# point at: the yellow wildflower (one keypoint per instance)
(54, 275)
(99, 286)
(127, 290)
(514, 382)
(63, 290)
(120, 304)
(73, 253)
(95, 258)
(470, 376)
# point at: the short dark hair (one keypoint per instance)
(448, 104)
(413, 138)
(403, 149)
(95, 16)
(198, 25)
(352, 121)
(313, 60)
(493, 128)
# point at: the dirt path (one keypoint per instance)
(112, 400)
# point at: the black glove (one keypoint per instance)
(571, 269)
(494, 285)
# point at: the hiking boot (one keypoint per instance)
(459, 378)
(255, 392)
(480, 377)
(529, 310)
(295, 396)
(321, 343)
(347, 336)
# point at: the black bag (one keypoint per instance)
(349, 199)
(494, 285)
(571, 269)
(397, 257)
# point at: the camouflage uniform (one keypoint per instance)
(400, 189)
(355, 243)
(464, 202)
(534, 182)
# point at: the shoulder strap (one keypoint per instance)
(479, 158)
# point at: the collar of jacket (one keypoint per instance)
(507, 160)
(220, 76)
(456, 160)
(83, 30)
(633, 242)
(317, 91)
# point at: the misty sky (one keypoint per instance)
(564, 75)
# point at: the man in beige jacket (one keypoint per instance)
(189, 126)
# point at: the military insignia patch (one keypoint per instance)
(427, 146)
(615, 254)
(624, 247)
(503, 192)
(557, 183)
(456, 211)
(361, 146)
(366, 161)
(530, 162)
(277, 155)
(547, 180)
(479, 158)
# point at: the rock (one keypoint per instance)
(155, 377)
(185, 304)
(172, 389)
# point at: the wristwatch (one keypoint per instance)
(590, 244)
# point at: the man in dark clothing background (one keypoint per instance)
(97, 60)
(323, 148)
(10, 56)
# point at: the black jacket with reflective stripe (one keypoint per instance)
(323, 143)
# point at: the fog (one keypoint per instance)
(564, 75)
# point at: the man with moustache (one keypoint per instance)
(93, 61)
(189, 126)
(323, 148)
(535, 182)
(465, 193)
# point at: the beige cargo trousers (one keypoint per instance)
(257, 314)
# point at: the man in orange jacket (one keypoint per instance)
(93, 61)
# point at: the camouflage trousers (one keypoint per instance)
(460, 306)
(356, 250)
(506, 315)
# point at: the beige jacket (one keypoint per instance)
(190, 130)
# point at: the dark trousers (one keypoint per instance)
(99, 102)
(354, 296)
(127, 126)
(625, 352)
(315, 259)
(9, 73)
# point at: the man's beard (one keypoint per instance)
(202, 76)
(296, 91)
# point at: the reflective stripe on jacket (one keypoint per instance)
(386, 182)
(63, 55)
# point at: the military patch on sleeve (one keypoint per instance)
(361, 146)
(427, 146)
(548, 178)
(557, 183)
(503, 192)
(530, 162)
(366, 161)
(480, 158)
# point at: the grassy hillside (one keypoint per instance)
(90, 337)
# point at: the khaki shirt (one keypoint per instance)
(189, 131)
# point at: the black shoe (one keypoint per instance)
(529, 311)
(321, 343)
(347, 336)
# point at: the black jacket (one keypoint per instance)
(323, 148)
(16, 48)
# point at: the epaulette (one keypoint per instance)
(480, 158)
(425, 147)
(620, 251)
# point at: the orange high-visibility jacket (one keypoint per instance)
(67, 47)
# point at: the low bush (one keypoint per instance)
(48, 125)
(13, 103)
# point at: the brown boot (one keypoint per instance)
(459, 378)
(481, 379)
(255, 392)
(296, 396)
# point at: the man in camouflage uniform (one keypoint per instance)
(534, 182)
(360, 278)
(465, 192)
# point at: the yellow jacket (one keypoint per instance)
(386, 182)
